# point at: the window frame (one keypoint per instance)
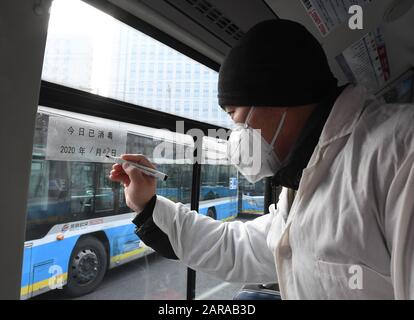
(65, 98)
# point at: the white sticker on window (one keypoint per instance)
(75, 140)
(366, 62)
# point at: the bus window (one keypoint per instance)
(79, 223)
(218, 200)
(224, 198)
(101, 55)
(251, 198)
(178, 185)
(106, 191)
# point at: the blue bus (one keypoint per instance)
(78, 223)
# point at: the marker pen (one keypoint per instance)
(146, 170)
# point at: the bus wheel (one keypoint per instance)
(211, 212)
(87, 267)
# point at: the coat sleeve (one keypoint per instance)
(232, 251)
(149, 232)
(399, 229)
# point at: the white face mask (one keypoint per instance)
(252, 155)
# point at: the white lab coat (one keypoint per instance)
(350, 231)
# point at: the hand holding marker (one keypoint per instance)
(144, 169)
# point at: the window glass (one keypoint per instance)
(89, 50)
(227, 197)
(219, 201)
(73, 203)
(78, 223)
(63, 191)
(251, 197)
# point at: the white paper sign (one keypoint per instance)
(75, 140)
(366, 61)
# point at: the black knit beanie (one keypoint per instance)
(276, 63)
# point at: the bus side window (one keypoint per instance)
(105, 190)
(82, 193)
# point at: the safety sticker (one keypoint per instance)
(366, 62)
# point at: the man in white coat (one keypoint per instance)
(349, 232)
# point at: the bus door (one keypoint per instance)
(26, 284)
(124, 243)
(82, 188)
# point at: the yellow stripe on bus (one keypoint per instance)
(128, 254)
(43, 284)
(24, 291)
(229, 218)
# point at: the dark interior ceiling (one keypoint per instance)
(209, 26)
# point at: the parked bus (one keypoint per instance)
(78, 223)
